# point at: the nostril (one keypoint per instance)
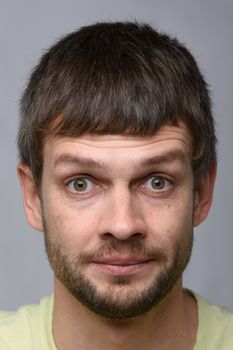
(108, 235)
(137, 235)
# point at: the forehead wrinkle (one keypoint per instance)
(77, 160)
(168, 157)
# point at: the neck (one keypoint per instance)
(170, 325)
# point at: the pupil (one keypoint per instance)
(80, 185)
(157, 183)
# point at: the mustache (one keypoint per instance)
(132, 248)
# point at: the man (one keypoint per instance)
(117, 165)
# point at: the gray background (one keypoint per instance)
(26, 29)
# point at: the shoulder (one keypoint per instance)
(22, 329)
(215, 329)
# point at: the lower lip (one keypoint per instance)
(123, 270)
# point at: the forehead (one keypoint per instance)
(168, 139)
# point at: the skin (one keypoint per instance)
(119, 205)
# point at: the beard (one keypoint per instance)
(124, 298)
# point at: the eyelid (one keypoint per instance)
(150, 177)
(95, 186)
(81, 177)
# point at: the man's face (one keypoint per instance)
(118, 217)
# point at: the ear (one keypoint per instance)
(31, 199)
(204, 195)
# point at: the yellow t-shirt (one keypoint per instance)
(215, 327)
(29, 328)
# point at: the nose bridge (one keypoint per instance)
(123, 217)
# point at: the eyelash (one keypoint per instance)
(168, 184)
(80, 178)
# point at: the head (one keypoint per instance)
(117, 95)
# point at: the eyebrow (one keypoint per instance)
(168, 157)
(73, 159)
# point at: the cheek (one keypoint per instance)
(170, 220)
(67, 222)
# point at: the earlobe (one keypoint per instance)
(31, 199)
(204, 195)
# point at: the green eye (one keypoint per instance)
(158, 183)
(80, 185)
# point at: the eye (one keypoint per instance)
(156, 184)
(81, 185)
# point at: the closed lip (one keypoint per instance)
(122, 261)
(122, 266)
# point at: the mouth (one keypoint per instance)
(122, 267)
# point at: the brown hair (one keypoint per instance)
(115, 78)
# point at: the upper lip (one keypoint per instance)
(121, 261)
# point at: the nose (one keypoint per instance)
(122, 218)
